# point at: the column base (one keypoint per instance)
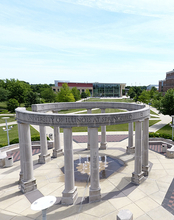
(94, 195)
(57, 153)
(103, 146)
(137, 178)
(69, 198)
(28, 186)
(20, 178)
(44, 158)
(130, 150)
(146, 170)
(2, 162)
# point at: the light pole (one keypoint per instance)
(7, 129)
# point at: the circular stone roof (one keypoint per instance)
(38, 115)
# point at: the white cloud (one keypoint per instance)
(134, 45)
(145, 7)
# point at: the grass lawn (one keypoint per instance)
(71, 111)
(10, 119)
(13, 133)
(108, 100)
(167, 129)
(153, 113)
(154, 117)
(119, 127)
(3, 105)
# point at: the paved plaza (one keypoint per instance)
(150, 200)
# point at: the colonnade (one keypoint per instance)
(70, 194)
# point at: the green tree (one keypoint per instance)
(31, 98)
(156, 101)
(83, 95)
(2, 83)
(39, 87)
(48, 95)
(166, 104)
(76, 93)
(135, 91)
(4, 94)
(144, 97)
(131, 93)
(12, 104)
(65, 94)
(88, 93)
(18, 89)
(152, 92)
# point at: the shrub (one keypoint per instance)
(12, 104)
(14, 141)
(163, 135)
(35, 138)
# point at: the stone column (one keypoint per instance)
(103, 144)
(89, 111)
(130, 148)
(21, 155)
(137, 175)
(44, 157)
(70, 192)
(94, 189)
(57, 151)
(28, 182)
(145, 150)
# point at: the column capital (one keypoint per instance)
(141, 120)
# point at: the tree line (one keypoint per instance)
(16, 92)
(164, 102)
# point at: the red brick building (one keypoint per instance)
(168, 82)
(96, 89)
(82, 87)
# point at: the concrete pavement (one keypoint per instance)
(145, 201)
(164, 119)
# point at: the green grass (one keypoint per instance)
(71, 111)
(119, 127)
(152, 122)
(108, 110)
(10, 119)
(13, 133)
(153, 117)
(167, 129)
(108, 100)
(3, 108)
(153, 113)
(3, 105)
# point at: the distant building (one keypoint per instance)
(96, 89)
(150, 86)
(168, 82)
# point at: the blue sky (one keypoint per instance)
(119, 41)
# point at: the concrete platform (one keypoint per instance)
(153, 199)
